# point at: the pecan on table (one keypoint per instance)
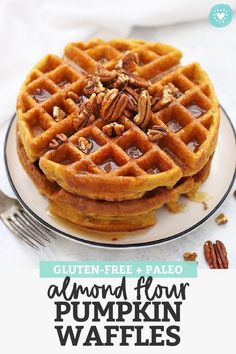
(113, 105)
(57, 141)
(216, 255)
(144, 110)
(221, 219)
(87, 113)
(190, 257)
(156, 132)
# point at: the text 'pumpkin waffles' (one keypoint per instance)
(111, 121)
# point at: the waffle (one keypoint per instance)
(104, 215)
(184, 107)
(114, 130)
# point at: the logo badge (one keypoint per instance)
(220, 15)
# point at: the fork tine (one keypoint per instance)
(39, 227)
(20, 234)
(25, 230)
(30, 224)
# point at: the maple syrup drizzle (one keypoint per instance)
(63, 83)
(200, 197)
(174, 126)
(134, 152)
(177, 207)
(108, 165)
(40, 95)
(36, 130)
(195, 110)
(193, 145)
(94, 146)
(153, 170)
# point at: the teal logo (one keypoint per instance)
(220, 15)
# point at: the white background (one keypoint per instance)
(207, 316)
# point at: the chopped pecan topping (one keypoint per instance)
(113, 129)
(113, 105)
(73, 96)
(58, 114)
(87, 113)
(93, 85)
(121, 81)
(127, 61)
(216, 255)
(106, 77)
(84, 144)
(57, 141)
(190, 256)
(137, 81)
(221, 219)
(156, 132)
(169, 93)
(144, 110)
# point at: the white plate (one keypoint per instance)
(169, 226)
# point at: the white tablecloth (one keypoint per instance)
(215, 49)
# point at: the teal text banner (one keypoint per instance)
(111, 269)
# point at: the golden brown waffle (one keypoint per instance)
(176, 141)
(103, 215)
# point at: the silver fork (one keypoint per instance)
(22, 224)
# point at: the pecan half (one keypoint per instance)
(113, 129)
(156, 132)
(128, 114)
(216, 255)
(58, 114)
(93, 85)
(133, 97)
(221, 219)
(87, 113)
(144, 110)
(57, 141)
(113, 105)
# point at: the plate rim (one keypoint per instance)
(112, 245)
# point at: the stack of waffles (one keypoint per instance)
(115, 130)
